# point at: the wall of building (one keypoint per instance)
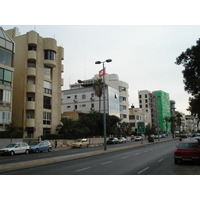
(29, 82)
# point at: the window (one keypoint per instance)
(32, 47)
(145, 95)
(31, 64)
(140, 96)
(5, 117)
(49, 55)
(47, 87)
(5, 77)
(122, 107)
(75, 107)
(5, 96)
(30, 115)
(47, 102)
(5, 57)
(83, 96)
(47, 72)
(122, 89)
(46, 118)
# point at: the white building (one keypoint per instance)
(113, 81)
(83, 100)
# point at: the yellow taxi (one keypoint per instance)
(79, 143)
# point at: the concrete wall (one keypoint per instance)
(5, 142)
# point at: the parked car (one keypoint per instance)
(122, 139)
(79, 143)
(113, 140)
(138, 138)
(40, 146)
(187, 151)
(15, 148)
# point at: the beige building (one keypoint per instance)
(6, 78)
(37, 83)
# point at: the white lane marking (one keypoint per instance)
(124, 157)
(137, 154)
(160, 160)
(143, 170)
(83, 169)
(106, 163)
(146, 151)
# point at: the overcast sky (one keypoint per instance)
(142, 55)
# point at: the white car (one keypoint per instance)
(15, 148)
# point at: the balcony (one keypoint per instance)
(32, 37)
(50, 63)
(30, 105)
(30, 122)
(32, 55)
(30, 88)
(31, 71)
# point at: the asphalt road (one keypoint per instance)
(60, 152)
(154, 159)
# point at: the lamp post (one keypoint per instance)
(104, 102)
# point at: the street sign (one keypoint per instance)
(140, 127)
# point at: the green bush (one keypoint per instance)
(6, 134)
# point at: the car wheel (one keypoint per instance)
(87, 145)
(12, 153)
(27, 151)
(50, 149)
(37, 151)
(80, 146)
(175, 161)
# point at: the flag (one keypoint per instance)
(102, 72)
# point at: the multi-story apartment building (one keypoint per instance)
(37, 83)
(7, 48)
(83, 100)
(137, 115)
(113, 81)
(144, 97)
(157, 104)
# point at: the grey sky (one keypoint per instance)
(143, 56)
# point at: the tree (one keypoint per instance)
(98, 89)
(190, 59)
(178, 120)
(67, 126)
(172, 120)
(11, 128)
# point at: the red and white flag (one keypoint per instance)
(102, 72)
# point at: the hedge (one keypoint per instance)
(6, 134)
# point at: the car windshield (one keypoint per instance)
(78, 140)
(188, 146)
(35, 143)
(11, 145)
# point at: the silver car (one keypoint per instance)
(15, 148)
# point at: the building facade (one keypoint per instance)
(7, 48)
(37, 83)
(137, 115)
(83, 100)
(157, 104)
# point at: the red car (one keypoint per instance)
(187, 151)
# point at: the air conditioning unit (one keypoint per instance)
(92, 98)
(75, 100)
(91, 108)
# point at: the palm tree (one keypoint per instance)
(98, 89)
(178, 120)
(172, 120)
(66, 126)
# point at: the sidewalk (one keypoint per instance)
(46, 161)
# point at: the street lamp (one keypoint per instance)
(104, 103)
